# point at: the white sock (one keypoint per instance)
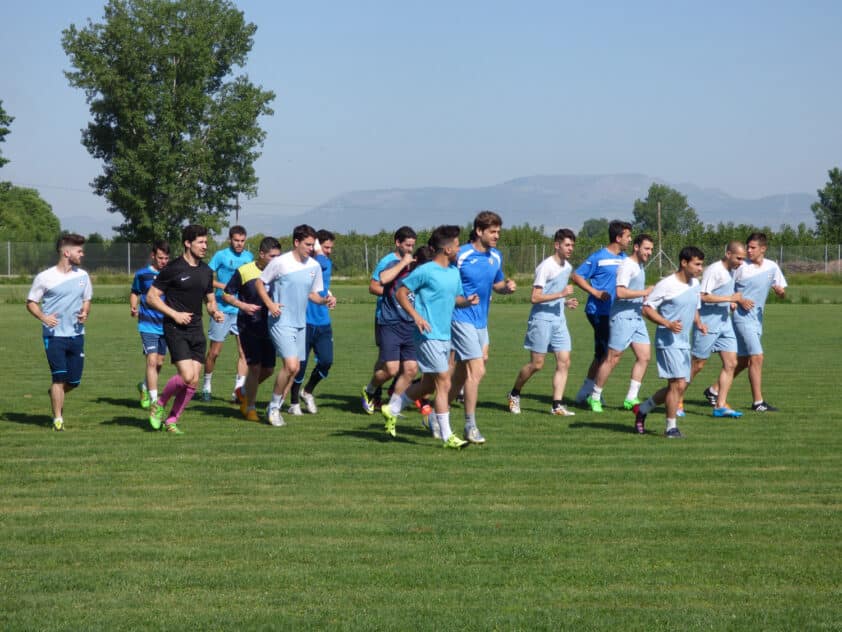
(596, 393)
(153, 394)
(670, 423)
(634, 390)
(444, 425)
(277, 401)
(143, 386)
(241, 379)
(647, 406)
(395, 404)
(208, 378)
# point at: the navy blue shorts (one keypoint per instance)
(153, 343)
(258, 349)
(601, 324)
(397, 343)
(185, 343)
(66, 356)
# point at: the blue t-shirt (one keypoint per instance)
(391, 311)
(289, 282)
(319, 315)
(479, 271)
(149, 321)
(435, 289)
(600, 270)
(225, 263)
(385, 262)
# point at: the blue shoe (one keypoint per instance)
(680, 412)
(727, 412)
(673, 433)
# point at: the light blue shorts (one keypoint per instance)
(433, 355)
(625, 331)
(467, 341)
(673, 363)
(289, 342)
(704, 345)
(153, 343)
(545, 336)
(748, 334)
(218, 331)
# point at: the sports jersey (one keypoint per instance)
(243, 286)
(632, 276)
(479, 271)
(600, 270)
(391, 311)
(385, 262)
(149, 321)
(718, 281)
(185, 287)
(755, 281)
(62, 294)
(435, 288)
(319, 315)
(674, 300)
(291, 282)
(553, 278)
(225, 263)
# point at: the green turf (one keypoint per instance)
(557, 523)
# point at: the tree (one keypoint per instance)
(595, 229)
(5, 121)
(828, 210)
(25, 216)
(677, 216)
(177, 134)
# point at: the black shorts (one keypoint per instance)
(258, 348)
(397, 342)
(185, 343)
(601, 334)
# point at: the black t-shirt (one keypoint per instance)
(185, 288)
(242, 285)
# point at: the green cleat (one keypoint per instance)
(58, 424)
(145, 400)
(391, 420)
(156, 415)
(629, 404)
(595, 404)
(454, 442)
(173, 429)
(366, 400)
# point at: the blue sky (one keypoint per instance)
(740, 96)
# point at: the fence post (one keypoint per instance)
(9, 258)
(367, 268)
(781, 262)
(534, 255)
(825, 258)
(128, 258)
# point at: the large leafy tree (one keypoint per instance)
(677, 216)
(178, 134)
(828, 210)
(5, 121)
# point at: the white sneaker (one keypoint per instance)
(309, 402)
(561, 410)
(514, 404)
(273, 416)
(473, 435)
(295, 409)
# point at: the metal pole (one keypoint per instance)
(825, 258)
(128, 258)
(9, 258)
(660, 245)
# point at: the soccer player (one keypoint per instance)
(546, 329)
(178, 293)
(294, 277)
(753, 280)
(150, 323)
(598, 277)
(225, 263)
(480, 267)
(319, 336)
(253, 323)
(673, 305)
(626, 325)
(60, 297)
(387, 270)
(718, 293)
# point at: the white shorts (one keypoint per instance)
(673, 363)
(545, 336)
(289, 342)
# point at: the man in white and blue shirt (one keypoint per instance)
(60, 297)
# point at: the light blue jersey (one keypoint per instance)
(553, 277)
(225, 263)
(754, 282)
(675, 300)
(717, 280)
(435, 289)
(290, 282)
(632, 276)
(479, 272)
(62, 294)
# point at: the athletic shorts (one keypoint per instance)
(377, 333)
(704, 345)
(748, 334)
(625, 331)
(601, 333)
(545, 336)
(290, 342)
(66, 357)
(397, 342)
(319, 339)
(218, 331)
(433, 356)
(468, 341)
(153, 343)
(673, 363)
(258, 349)
(185, 343)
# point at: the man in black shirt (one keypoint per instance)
(185, 282)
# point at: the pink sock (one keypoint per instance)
(174, 384)
(181, 400)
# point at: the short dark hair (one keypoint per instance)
(192, 231)
(162, 245)
(302, 232)
(616, 228)
(423, 254)
(269, 243)
(638, 241)
(325, 235)
(760, 238)
(403, 233)
(691, 252)
(236, 230)
(69, 239)
(442, 236)
(485, 220)
(564, 233)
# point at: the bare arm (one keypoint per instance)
(652, 314)
(213, 310)
(582, 282)
(538, 295)
(318, 299)
(50, 320)
(273, 307)
(134, 301)
(402, 295)
(625, 293)
(506, 286)
(375, 288)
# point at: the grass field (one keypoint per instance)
(557, 523)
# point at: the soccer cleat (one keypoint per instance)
(239, 395)
(561, 410)
(206, 395)
(366, 400)
(595, 404)
(423, 407)
(710, 396)
(454, 442)
(58, 424)
(629, 404)
(173, 429)
(251, 415)
(273, 415)
(244, 406)
(473, 435)
(639, 420)
(145, 400)
(391, 420)
(673, 433)
(726, 412)
(309, 402)
(156, 415)
(295, 409)
(680, 412)
(514, 404)
(763, 407)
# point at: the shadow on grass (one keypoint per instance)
(120, 401)
(375, 432)
(349, 404)
(604, 425)
(141, 423)
(31, 420)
